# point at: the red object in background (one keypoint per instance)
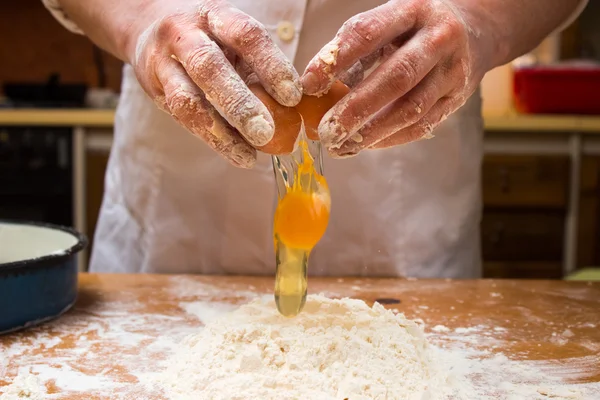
(557, 89)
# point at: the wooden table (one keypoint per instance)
(124, 326)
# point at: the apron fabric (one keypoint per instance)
(172, 205)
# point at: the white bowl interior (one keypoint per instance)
(20, 242)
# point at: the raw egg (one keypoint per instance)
(301, 219)
(302, 213)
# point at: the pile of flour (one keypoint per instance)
(25, 386)
(335, 349)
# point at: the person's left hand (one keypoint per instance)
(411, 62)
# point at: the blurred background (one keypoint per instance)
(541, 172)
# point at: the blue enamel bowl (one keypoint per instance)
(38, 273)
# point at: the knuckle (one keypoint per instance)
(183, 104)
(245, 31)
(204, 57)
(168, 28)
(448, 30)
(407, 73)
(452, 30)
(437, 39)
(455, 27)
(362, 29)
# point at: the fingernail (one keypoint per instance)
(357, 138)
(289, 92)
(310, 83)
(259, 131)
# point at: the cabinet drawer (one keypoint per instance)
(522, 270)
(522, 236)
(526, 181)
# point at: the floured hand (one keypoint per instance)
(411, 62)
(192, 58)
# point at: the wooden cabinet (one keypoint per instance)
(522, 235)
(588, 249)
(525, 207)
(525, 181)
(523, 270)
(523, 224)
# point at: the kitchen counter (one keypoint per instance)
(123, 326)
(105, 119)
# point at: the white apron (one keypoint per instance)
(172, 205)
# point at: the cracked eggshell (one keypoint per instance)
(288, 120)
(314, 108)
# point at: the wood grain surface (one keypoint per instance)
(111, 331)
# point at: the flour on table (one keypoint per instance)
(335, 349)
(440, 328)
(122, 349)
(24, 386)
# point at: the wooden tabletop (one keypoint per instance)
(124, 326)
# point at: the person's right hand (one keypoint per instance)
(192, 59)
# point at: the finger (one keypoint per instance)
(390, 81)
(244, 71)
(363, 68)
(252, 42)
(190, 108)
(210, 70)
(238, 64)
(353, 76)
(360, 36)
(422, 129)
(229, 55)
(405, 111)
(373, 59)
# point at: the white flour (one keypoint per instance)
(24, 386)
(335, 349)
(117, 349)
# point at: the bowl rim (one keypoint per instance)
(49, 259)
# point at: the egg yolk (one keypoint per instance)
(302, 214)
(302, 220)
